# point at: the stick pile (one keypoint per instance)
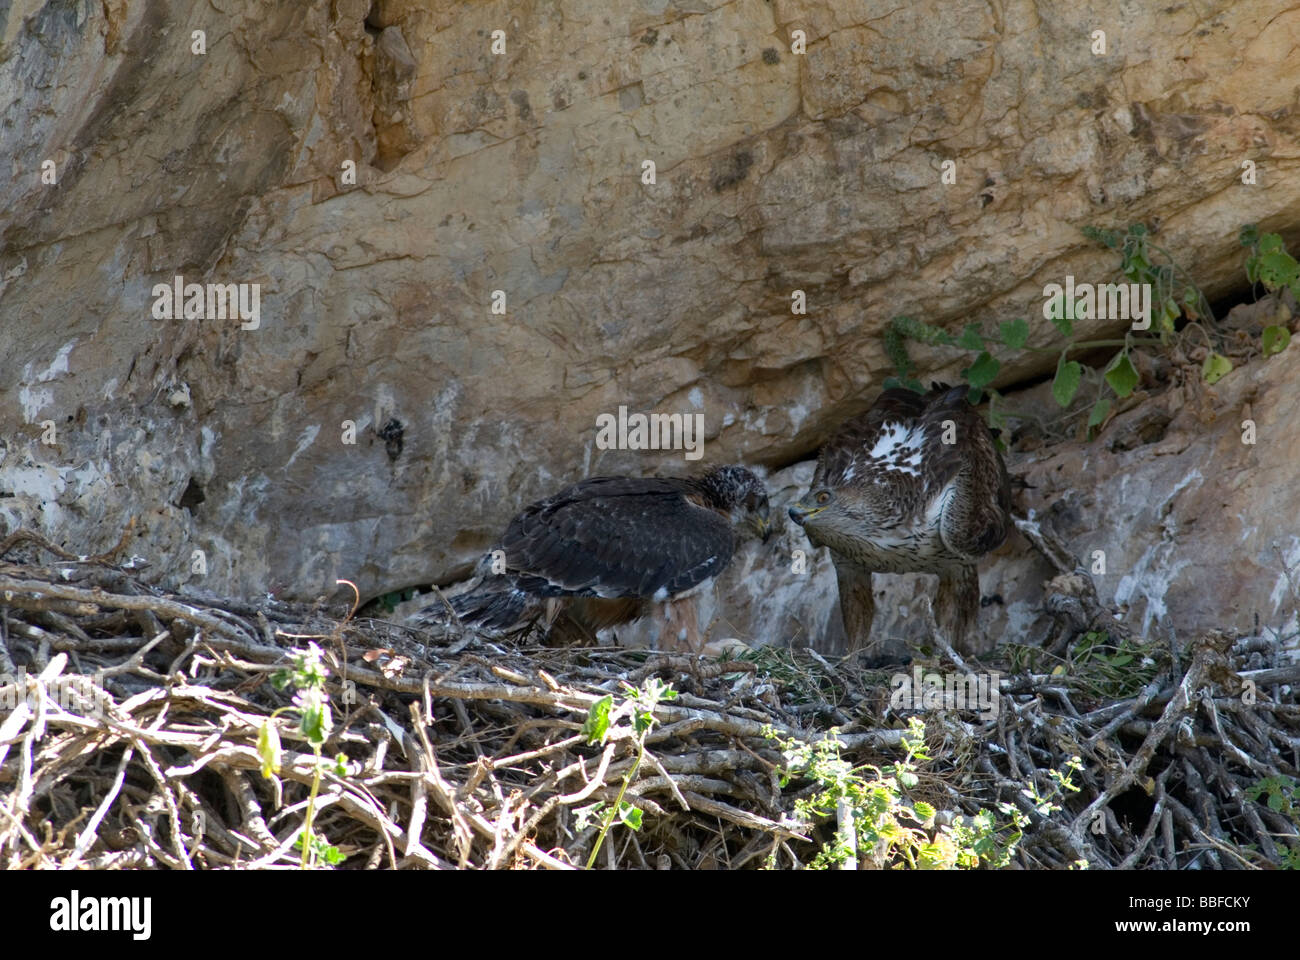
(129, 721)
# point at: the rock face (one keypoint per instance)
(386, 179)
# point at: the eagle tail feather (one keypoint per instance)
(493, 606)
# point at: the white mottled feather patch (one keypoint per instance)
(899, 448)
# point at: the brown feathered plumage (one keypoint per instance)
(915, 484)
(603, 551)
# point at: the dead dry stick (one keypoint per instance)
(1048, 544)
(594, 782)
(672, 784)
(740, 817)
(513, 753)
(1178, 706)
(442, 792)
(88, 836)
(168, 608)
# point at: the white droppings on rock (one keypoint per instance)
(305, 440)
(1288, 579)
(33, 401)
(56, 366)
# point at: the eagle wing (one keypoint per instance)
(982, 516)
(617, 537)
(943, 461)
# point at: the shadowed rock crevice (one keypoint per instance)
(396, 133)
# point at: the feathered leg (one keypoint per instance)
(857, 605)
(577, 622)
(567, 630)
(956, 608)
(681, 627)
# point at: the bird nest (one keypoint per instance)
(141, 728)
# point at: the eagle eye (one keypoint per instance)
(823, 497)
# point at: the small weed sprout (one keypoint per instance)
(315, 721)
(890, 829)
(1062, 782)
(1283, 798)
(602, 720)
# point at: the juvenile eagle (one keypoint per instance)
(605, 550)
(915, 484)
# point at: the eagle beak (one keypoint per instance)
(800, 513)
(762, 526)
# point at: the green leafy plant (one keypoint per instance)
(1119, 375)
(311, 704)
(1270, 264)
(1062, 783)
(1105, 667)
(1283, 795)
(388, 602)
(1173, 293)
(1173, 296)
(1284, 798)
(888, 827)
(602, 721)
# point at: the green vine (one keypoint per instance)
(1174, 296)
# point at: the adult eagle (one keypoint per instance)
(915, 484)
(605, 550)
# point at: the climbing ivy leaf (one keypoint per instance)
(1278, 269)
(1215, 368)
(1015, 333)
(1099, 411)
(596, 725)
(1275, 339)
(630, 815)
(1066, 385)
(982, 371)
(268, 748)
(971, 338)
(1061, 312)
(1120, 375)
